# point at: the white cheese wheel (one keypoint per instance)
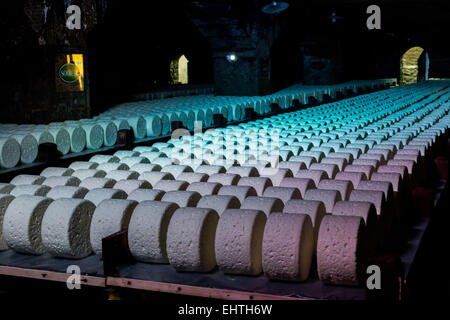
(238, 243)
(62, 139)
(205, 188)
(109, 131)
(210, 169)
(301, 184)
(121, 124)
(244, 171)
(306, 160)
(192, 177)
(83, 165)
(77, 138)
(314, 175)
(139, 126)
(260, 184)
(122, 175)
(176, 170)
(131, 161)
(240, 192)
(88, 173)
(171, 185)
(342, 186)
(154, 126)
(225, 179)
(288, 247)
(6, 188)
(65, 228)
(121, 154)
(283, 193)
(144, 167)
(130, 185)
(110, 216)
(354, 177)
(140, 195)
(292, 165)
(28, 147)
(409, 164)
(67, 192)
(328, 197)
(182, 198)
(42, 136)
(96, 196)
(110, 166)
(190, 239)
(339, 162)
(94, 183)
(101, 158)
(219, 203)
(154, 177)
(147, 231)
(30, 189)
(163, 161)
(266, 205)
(5, 200)
(55, 172)
(393, 178)
(330, 169)
(341, 250)
(27, 179)
(22, 224)
(366, 170)
(276, 175)
(375, 197)
(95, 136)
(62, 181)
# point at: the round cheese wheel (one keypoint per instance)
(22, 224)
(330, 169)
(27, 179)
(176, 170)
(292, 165)
(96, 196)
(28, 147)
(61, 138)
(88, 173)
(353, 177)
(55, 172)
(342, 186)
(190, 239)
(6, 188)
(110, 216)
(264, 204)
(154, 126)
(144, 167)
(109, 131)
(283, 193)
(288, 246)
(314, 175)
(95, 136)
(240, 192)
(122, 175)
(365, 169)
(58, 192)
(182, 198)
(100, 158)
(140, 195)
(238, 243)
(77, 138)
(341, 250)
(192, 177)
(328, 197)
(42, 136)
(62, 181)
(147, 231)
(339, 162)
(225, 179)
(30, 189)
(219, 203)
(5, 200)
(130, 185)
(110, 166)
(83, 165)
(139, 126)
(301, 184)
(94, 183)
(154, 177)
(260, 184)
(65, 228)
(244, 171)
(171, 185)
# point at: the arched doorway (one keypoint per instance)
(179, 70)
(414, 66)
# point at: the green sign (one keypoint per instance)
(69, 73)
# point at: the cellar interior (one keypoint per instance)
(224, 150)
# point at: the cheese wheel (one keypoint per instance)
(154, 126)
(122, 175)
(393, 178)
(163, 161)
(171, 185)
(367, 170)
(260, 184)
(28, 147)
(314, 175)
(339, 162)
(110, 216)
(152, 156)
(375, 197)
(96, 196)
(121, 154)
(94, 183)
(385, 187)
(131, 161)
(109, 131)
(58, 192)
(27, 179)
(176, 170)
(100, 158)
(244, 171)
(264, 204)
(190, 239)
(83, 165)
(95, 135)
(30, 189)
(110, 166)
(205, 188)
(139, 126)
(287, 248)
(225, 179)
(147, 231)
(238, 243)
(301, 184)
(276, 175)
(293, 166)
(121, 124)
(409, 164)
(77, 138)
(328, 197)
(342, 186)
(240, 192)
(144, 167)
(42, 136)
(341, 256)
(154, 177)
(142, 149)
(283, 193)
(65, 228)
(219, 203)
(192, 177)
(6, 188)
(55, 172)
(5, 200)
(306, 160)
(330, 169)
(88, 173)
(182, 198)
(210, 169)
(61, 138)
(365, 210)
(22, 224)
(62, 181)
(140, 195)
(130, 185)
(354, 177)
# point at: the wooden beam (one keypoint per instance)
(50, 275)
(204, 292)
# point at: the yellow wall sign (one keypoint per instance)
(69, 70)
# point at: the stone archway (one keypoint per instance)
(414, 66)
(179, 70)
